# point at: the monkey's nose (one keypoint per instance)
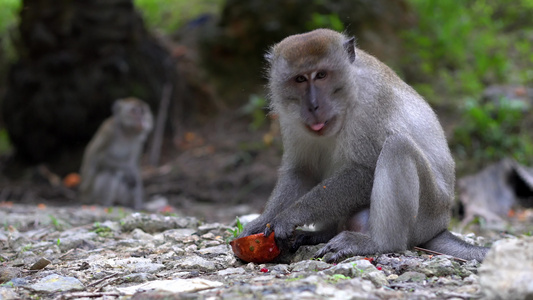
(313, 108)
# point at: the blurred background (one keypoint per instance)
(63, 63)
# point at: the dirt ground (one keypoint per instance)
(214, 172)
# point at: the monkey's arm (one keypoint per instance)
(334, 199)
(91, 157)
(291, 185)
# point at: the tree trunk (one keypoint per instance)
(75, 59)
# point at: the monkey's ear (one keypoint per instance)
(269, 56)
(349, 46)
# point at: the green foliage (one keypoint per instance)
(292, 279)
(8, 19)
(56, 223)
(170, 15)
(8, 14)
(336, 278)
(256, 109)
(237, 230)
(27, 247)
(8, 284)
(331, 21)
(491, 131)
(102, 231)
(459, 47)
(5, 144)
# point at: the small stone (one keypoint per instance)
(217, 250)
(173, 286)
(392, 277)
(309, 265)
(191, 248)
(151, 223)
(280, 269)
(40, 264)
(138, 234)
(137, 265)
(138, 277)
(178, 235)
(7, 273)
(8, 293)
(208, 236)
(411, 277)
(438, 266)
(376, 277)
(55, 283)
(195, 262)
(231, 271)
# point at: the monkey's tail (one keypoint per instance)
(449, 244)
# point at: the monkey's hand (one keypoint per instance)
(345, 244)
(255, 226)
(284, 231)
(129, 177)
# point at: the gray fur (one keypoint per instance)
(381, 154)
(110, 171)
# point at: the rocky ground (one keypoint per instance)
(95, 253)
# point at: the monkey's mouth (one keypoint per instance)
(319, 128)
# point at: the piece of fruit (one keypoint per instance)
(71, 180)
(255, 248)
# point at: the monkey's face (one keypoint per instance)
(313, 98)
(134, 115)
(318, 111)
(309, 80)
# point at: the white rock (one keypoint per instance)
(173, 286)
(507, 272)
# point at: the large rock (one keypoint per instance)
(507, 272)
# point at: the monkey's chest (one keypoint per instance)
(121, 151)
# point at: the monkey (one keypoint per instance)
(110, 165)
(365, 159)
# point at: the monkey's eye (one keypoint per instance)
(321, 74)
(300, 79)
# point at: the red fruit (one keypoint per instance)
(264, 270)
(255, 248)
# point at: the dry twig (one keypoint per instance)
(438, 253)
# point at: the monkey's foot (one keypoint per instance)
(347, 244)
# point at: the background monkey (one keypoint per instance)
(110, 168)
(365, 158)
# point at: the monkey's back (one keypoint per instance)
(396, 108)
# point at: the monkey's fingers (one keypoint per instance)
(322, 252)
(268, 230)
(330, 255)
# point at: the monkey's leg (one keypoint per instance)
(138, 194)
(291, 185)
(106, 185)
(402, 176)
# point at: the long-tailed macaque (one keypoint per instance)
(365, 159)
(110, 168)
